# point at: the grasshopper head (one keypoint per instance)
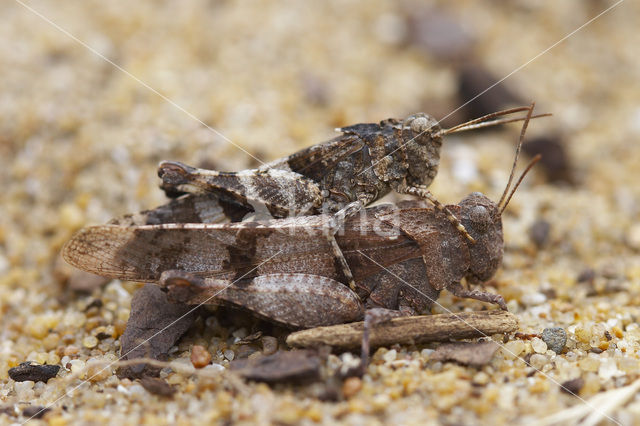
(422, 140)
(482, 219)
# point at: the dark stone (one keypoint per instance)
(35, 411)
(586, 275)
(438, 33)
(473, 79)
(572, 386)
(555, 338)
(539, 232)
(555, 160)
(157, 386)
(33, 371)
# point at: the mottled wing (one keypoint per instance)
(186, 209)
(315, 161)
(229, 251)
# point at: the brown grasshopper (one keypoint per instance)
(284, 271)
(339, 176)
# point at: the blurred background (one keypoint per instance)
(94, 94)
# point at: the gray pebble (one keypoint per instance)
(555, 338)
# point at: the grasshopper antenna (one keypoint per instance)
(515, 160)
(486, 120)
(524, 173)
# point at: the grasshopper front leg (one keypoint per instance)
(458, 290)
(294, 300)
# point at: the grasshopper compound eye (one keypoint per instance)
(419, 125)
(480, 218)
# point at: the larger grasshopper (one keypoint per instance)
(282, 270)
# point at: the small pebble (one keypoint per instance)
(513, 348)
(157, 386)
(538, 345)
(269, 345)
(390, 356)
(480, 379)
(33, 372)
(35, 411)
(633, 236)
(555, 159)
(229, 354)
(555, 338)
(539, 232)
(200, 357)
(24, 390)
(98, 371)
(589, 363)
(533, 299)
(71, 350)
(572, 386)
(214, 368)
(608, 369)
(538, 361)
(90, 342)
(76, 366)
(586, 275)
(351, 386)
(628, 365)
(617, 331)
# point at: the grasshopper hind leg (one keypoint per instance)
(291, 299)
(336, 222)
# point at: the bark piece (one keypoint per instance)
(417, 329)
(154, 326)
(33, 371)
(465, 353)
(283, 366)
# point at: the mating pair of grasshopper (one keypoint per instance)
(299, 271)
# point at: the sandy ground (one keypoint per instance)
(94, 94)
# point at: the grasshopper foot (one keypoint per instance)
(180, 286)
(373, 317)
(458, 290)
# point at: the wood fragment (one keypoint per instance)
(407, 330)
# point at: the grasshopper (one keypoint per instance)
(402, 257)
(339, 176)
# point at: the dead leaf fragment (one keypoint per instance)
(153, 328)
(282, 366)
